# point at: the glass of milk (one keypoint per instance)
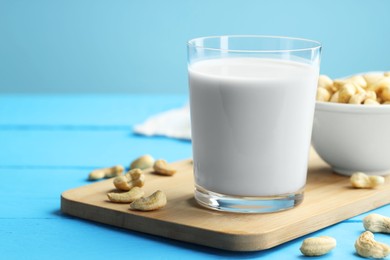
(252, 103)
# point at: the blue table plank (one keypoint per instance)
(31, 213)
(86, 149)
(82, 111)
(65, 238)
(50, 143)
(30, 193)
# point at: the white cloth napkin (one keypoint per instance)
(173, 123)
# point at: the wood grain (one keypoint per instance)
(329, 199)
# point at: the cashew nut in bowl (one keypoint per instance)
(126, 197)
(323, 94)
(315, 246)
(357, 80)
(338, 83)
(335, 97)
(375, 86)
(385, 94)
(143, 162)
(357, 98)
(346, 92)
(366, 246)
(372, 78)
(155, 201)
(106, 172)
(370, 94)
(377, 223)
(370, 101)
(326, 83)
(381, 84)
(131, 179)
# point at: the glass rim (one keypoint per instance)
(316, 44)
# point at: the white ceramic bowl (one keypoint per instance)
(353, 138)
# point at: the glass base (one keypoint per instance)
(238, 204)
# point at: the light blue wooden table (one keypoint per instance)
(48, 144)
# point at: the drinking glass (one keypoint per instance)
(252, 102)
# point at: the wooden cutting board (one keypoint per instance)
(329, 199)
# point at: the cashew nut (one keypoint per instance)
(381, 84)
(322, 94)
(106, 172)
(346, 92)
(131, 179)
(315, 246)
(162, 167)
(370, 94)
(335, 97)
(325, 82)
(372, 78)
(366, 246)
(155, 201)
(367, 89)
(377, 223)
(338, 83)
(385, 94)
(357, 80)
(357, 98)
(143, 162)
(370, 101)
(362, 180)
(126, 197)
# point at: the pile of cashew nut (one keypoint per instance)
(129, 185)
(365, 245)
(367, 89)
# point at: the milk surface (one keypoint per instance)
(251, 122)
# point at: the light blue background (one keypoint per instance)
(139, 46)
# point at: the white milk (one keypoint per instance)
(251, 124)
